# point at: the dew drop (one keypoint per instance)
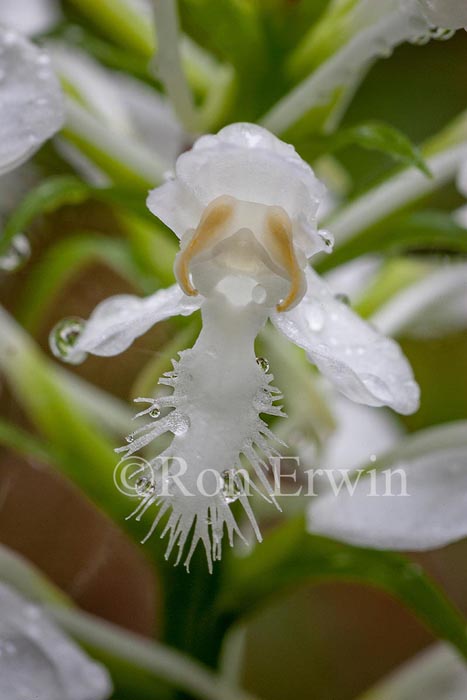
(326, 237)
(10, 38)
(231, 485)
(145, 487)
(16, 255)
(129, 439)
(262, 363)
(179, 424)
(63, 338)
(315, 317)
(343, 298)
(155, 412)
(43, 59)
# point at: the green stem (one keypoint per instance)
(169, 63)
(165, 663)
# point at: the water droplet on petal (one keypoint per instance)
(17, 254)
(129, 438)
(145, 486)
(179, 424)
(377, 388)
(43, 59)
(343, 298)
(262, 363)
(315, 317)
(63, 339)
(155, 412)
(327, 238)
(232, 487)
(10, 38)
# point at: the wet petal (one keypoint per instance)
(431, 468)
(249, 163)
(449, 14)
(38, 661)
(364, 365)
(117, 321)
(176, 206)
(31, 105)
(36, 17)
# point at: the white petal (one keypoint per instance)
(437, 673)
(38, 661)
(152, 118)
(117, 321)
(127, 105)
(432, 307)
(433, 467)
(248, 163)
(31, 105)
(354, 277)
(176, 206)
(449, 14)
(363, 364)
(360, 433)
(29, 16)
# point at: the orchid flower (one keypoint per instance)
(38, 661)
(244, 206)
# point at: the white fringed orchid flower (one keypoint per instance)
(244, 205)
(38, 661)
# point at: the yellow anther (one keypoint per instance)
(280, 245)
(210, 228)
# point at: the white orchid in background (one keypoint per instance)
(31, 103)
(244, 205)
(38, 661)
(436, 673)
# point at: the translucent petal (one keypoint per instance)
(437, 673)
(431, 468)
(38, 661)
(363, 364)
(29, 17)
(449, 14)
(431, 307)
(360, 433)
(176, 206)
(117, 321)
(127, 105)
(31, 105)
(249, 163)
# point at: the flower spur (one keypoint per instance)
(244, 205)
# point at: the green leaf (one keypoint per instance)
(67, 190)
(47, 197)
(141, 667)
(290, 557)
(62, 262)
(425, 231)
(374, 136)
